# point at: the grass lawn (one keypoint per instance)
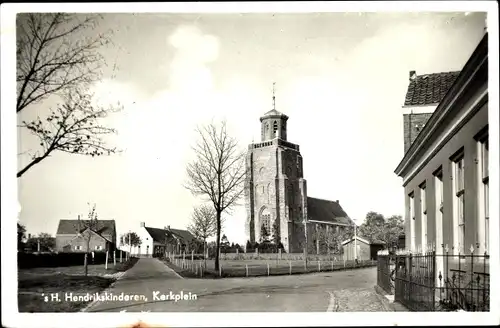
(37, 285)
(254, 268)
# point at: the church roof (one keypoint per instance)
(327, 211)
(429, 89)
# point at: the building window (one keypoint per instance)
(484, 168)
(412, 221)
(275, 127)
(78, 248)
(459, 204)
(98, 247)
(438, 183)
(423, 215)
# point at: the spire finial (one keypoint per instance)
(274, 97)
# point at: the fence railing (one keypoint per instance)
(431, 281)
(252, 268)
(384, 273)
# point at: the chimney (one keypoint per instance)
(337, 201)
(29, 236)
(79, 227)
(168, 228)
(413, 75)
(143, 224)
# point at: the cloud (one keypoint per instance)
(193, 51)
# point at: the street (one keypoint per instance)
(162, 290)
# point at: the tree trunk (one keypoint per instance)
(30, 165)
(218, 241)
(85, 263)
(205, 251)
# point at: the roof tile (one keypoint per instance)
(158, 235)
(429, 88)
(69, 227)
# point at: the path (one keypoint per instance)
(329, 291)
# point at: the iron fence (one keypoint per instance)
(384, 277)
(428, 281)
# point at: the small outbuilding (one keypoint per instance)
(365, 250)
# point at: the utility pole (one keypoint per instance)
(165, 231)
(355, 242)
(305, 248)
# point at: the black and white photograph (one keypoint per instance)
(254, 161)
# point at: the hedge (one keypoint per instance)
(51, 260)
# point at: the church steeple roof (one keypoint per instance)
(273, 112)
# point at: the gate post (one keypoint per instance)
(409, 273)
(433, 280)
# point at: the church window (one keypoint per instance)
(265, 218)
(275, 127)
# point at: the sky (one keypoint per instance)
(340, 77)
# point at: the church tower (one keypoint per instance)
(275, 190)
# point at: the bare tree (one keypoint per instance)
(57, 54)
(54, 54)
(74, 127)
(204, 225)
(86, 228)
(218, 172)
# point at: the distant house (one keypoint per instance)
(157, 241)
(365, 250)
(71, 236)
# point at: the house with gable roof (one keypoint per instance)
(445, 169)
(157, 241)
(71, 234)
